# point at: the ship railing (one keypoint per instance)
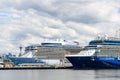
(108, 38)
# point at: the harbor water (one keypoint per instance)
(60, 74)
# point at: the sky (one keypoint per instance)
(26, 22)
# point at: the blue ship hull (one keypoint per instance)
(94, 62)
(26, 61)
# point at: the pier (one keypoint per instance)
(11, 66)
(34, 67)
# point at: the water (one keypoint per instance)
(60, 74)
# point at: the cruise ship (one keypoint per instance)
(101, 53)
(54, 49)
(47, 53)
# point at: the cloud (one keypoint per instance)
(25, 22)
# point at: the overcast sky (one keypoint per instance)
(25, 22)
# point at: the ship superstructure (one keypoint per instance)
(54, 49)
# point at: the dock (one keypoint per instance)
(31, 67)
(11, 66)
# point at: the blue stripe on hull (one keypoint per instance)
(94, 63)
(18, 61)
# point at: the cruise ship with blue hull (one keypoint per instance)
(27, 59)
(101, 53)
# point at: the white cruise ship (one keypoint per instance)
(48, 52)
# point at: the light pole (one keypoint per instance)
(20, 51)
